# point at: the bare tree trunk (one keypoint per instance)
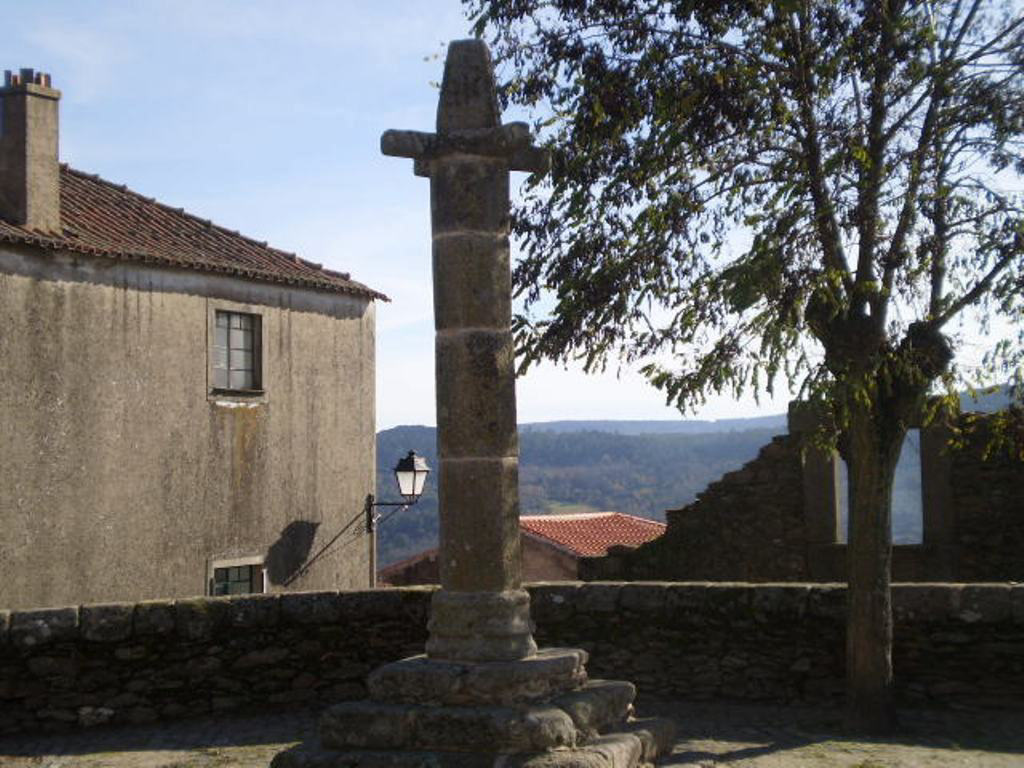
(872, 448)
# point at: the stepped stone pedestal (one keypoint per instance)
(537, 712)
(483, 695)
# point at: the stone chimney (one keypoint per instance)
(29, 171)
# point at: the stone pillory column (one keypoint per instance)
(483, 695)
(481, 612)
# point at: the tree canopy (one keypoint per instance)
(750, 190)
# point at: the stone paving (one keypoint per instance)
(709, 735)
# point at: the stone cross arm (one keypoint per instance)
(510, 141)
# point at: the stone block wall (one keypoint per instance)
(956, 645)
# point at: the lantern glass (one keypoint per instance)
(411, 473)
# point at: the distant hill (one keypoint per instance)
(661, 427)
(988, 402)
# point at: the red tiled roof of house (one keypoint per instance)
(590, 534)
(587, 534)
(106, 219)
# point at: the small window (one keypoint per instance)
(237, 580)
(236, 352)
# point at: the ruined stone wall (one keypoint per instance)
(988, 498)
(747, 526)
(776, 518)
(955, 645)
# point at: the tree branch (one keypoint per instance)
(893, 259)
(979, 289)
(955, 48)
(940, 245)
(824, 214)
(871, 176)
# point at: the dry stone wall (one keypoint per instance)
(956, 645)
(147, 661)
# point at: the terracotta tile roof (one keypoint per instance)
(591, 534)
(587, 534)
(106, 219)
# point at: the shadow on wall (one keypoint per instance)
(290, 552)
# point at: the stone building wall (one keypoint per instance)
(418, 569)
(542, 561)
(955, 645)
(124, 475)
(777, 518)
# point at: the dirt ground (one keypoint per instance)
(708, 735)
(742, 736)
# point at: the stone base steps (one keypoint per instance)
(635, 744)
(568, 720)
(539, 712)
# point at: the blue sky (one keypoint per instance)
(266, 117)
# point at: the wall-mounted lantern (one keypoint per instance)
(411, 475)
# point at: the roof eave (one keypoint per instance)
(50, 243)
